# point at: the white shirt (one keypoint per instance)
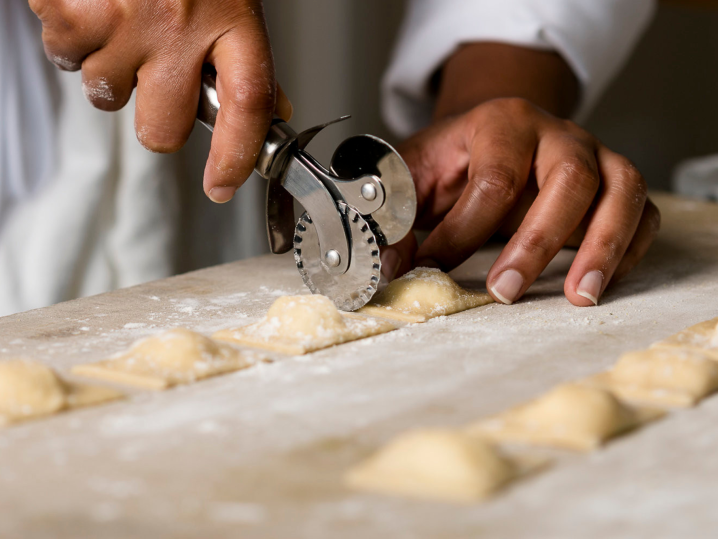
(26, 108)
(595, 37)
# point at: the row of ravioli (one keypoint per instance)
(293, 325)
(471, 463)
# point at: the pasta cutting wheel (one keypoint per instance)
(354, 288)
(365, 200)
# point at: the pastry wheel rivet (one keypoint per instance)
(332, 258)
(368, 191)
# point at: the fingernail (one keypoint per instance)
(220, 195)
(428, 263)
(508, 286)
(390, 262)
(590, 286)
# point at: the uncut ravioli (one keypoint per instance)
(301, 324)
(422, 294)
(572, 416)
(179, 356)
(664, 377)
(701, 337)
(438, 464)
(30, 390)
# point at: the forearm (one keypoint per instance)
(479, 72)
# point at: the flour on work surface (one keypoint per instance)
(134, 325)
(179, 356)
(301, 324)
(422, 294)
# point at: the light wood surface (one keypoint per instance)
(259, 453)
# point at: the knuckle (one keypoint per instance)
(578, 133)
(65, 16)
(630, 183)
(606, 247)
(253, 95)
(504, 107)
(577, 170)
(633, 176)
(176, 15)
(517, 106)
(62, 28)
(536, 243)
(497, 184)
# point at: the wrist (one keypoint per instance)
(479, 72)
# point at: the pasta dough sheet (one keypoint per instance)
(422, 294)
(179, 356)
(439, 464)
(29, 390)
(702, 337)
(672, 377)
(573, 416)
(298, 325)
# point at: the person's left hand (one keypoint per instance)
(509, 166)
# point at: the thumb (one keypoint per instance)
(398, 258)
(438, 158)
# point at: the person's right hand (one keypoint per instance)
(160, 47)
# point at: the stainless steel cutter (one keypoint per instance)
(366, 199)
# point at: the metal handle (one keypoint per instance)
(208, 102)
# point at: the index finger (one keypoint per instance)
(246, 91)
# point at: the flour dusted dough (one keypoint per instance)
(702, 337)
(179, 356)
(436, 464)
(423, 294)
(571, 416)
(301, 324)
(29, 389)
(662, 376)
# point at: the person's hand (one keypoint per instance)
(507, 161)
(160, 47)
